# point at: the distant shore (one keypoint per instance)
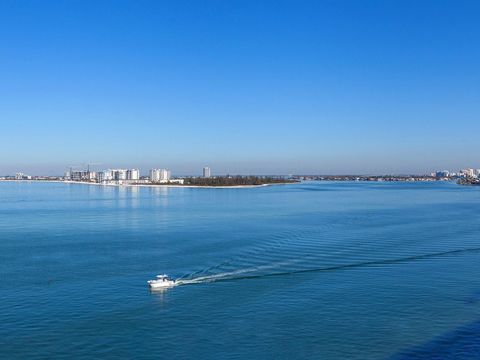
(144, 185)
(200, 182)
(168, 185)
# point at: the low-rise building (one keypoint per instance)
(443, 173)
(468, 173)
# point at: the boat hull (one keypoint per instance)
(161, 285)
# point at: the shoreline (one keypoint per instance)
(167, 185)
(145, 185)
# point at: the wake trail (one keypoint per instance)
(244, 273)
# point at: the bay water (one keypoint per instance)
(314, 270)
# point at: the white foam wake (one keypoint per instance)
(236, 273)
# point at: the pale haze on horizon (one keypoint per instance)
(245, 87)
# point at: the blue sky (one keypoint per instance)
(243, 86)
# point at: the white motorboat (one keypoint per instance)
(161, 282)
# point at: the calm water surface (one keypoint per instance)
(311, 270)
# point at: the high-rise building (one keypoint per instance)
(159, 175)
(207, 172)
(119, 174)
(154, 175)
(101, 176)
(106, 175)
(133, 174)
(164, 175)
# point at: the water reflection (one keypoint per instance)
(160, 294)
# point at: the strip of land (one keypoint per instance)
(223, 182)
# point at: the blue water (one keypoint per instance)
(312, 270)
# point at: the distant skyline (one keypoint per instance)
(244, 87)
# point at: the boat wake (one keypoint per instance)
(337, 244)
(259, 271)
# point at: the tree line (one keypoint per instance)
(235, 180)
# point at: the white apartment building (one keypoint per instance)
(106, 175)
(165, 175)
(159, 175)
(120, 174)
(154, 175)
(133, 174)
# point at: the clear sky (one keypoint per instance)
(242, 86)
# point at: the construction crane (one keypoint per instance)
(92, 164)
